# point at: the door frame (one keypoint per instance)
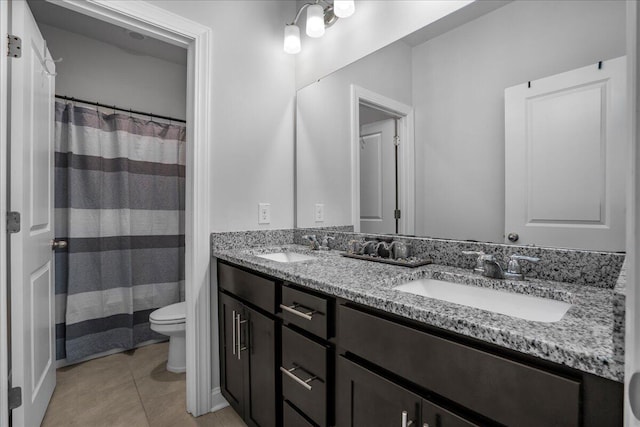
(4, 242)
(404, 114)
(153, 21)
(632, 309)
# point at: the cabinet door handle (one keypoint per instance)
(290, 374)
(292, 309)
(233, 328)
(406, 422)
(239, 346)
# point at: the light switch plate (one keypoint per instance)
(319, 212)
(264, 213)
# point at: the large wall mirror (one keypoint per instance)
(507, 110)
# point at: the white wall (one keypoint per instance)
(323, 133)
(97, 71)
(459, 80)
(374, 25)
(253, 116)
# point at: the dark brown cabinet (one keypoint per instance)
(366, 399)
(304, 375)
(297, 358)
(248, 362)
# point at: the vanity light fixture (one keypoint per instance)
(320, 15)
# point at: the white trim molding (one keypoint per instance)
(161, 24)
(632, 311)
(4, 243)
(406, 183)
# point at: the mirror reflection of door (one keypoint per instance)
(378, 172)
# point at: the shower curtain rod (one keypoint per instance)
(113, 107)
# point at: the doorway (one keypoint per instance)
(382, 164)
(197, 38)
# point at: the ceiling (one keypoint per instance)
(66, 19)
(453, 20)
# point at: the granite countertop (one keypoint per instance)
(583, 339)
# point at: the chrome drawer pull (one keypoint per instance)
(406, 422)
(239, 347)
(303, 383)
(233, 327)
(292, 309)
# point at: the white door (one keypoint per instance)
(565, 161)
(377, 177)
(31, 194)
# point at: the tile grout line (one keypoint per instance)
(135, 382)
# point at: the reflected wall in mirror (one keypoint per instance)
(454, 81)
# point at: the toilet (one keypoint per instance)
(170, 321)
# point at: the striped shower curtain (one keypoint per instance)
(119, 198)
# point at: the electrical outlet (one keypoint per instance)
(264, 213)
(319, 212)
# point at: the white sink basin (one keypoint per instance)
(287, 257)
(517, 305)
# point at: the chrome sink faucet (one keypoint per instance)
(488, 266)
(324, 246)
(313, 241)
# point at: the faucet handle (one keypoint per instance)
(479, 268)
(313, 241)
(325, 242)
(514, 270)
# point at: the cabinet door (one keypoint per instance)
(231, 365)
(258, 335)
(366, 399)
(436, 416)
(291, 417)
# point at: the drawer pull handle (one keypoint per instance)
(233, 328)
(239, 346)
(406, 422)
(292, 309)
(303, 383)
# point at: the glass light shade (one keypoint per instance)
(315, 21)
(344, 8)
(292, 39)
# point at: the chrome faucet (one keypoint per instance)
(324, 246)
(492, 268)
(313, 241)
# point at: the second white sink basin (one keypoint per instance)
(517, 305)
(287, 257)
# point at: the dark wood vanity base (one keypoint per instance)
(331, 362)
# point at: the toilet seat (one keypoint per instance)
(170, 315)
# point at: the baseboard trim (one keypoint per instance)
(217, 400)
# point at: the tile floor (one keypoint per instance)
(130, 389)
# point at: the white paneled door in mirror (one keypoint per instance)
(377, 177)
(31, 194)
(565, 162)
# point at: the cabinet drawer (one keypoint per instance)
(506, 391)
(291, 417)
(302, 360)
(305, 310)
(257, 290)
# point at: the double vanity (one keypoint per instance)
(313, 338)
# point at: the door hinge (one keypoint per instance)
(396, 213)
(15, 397)
(13, 222)
(396, 141)
(14, 46)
